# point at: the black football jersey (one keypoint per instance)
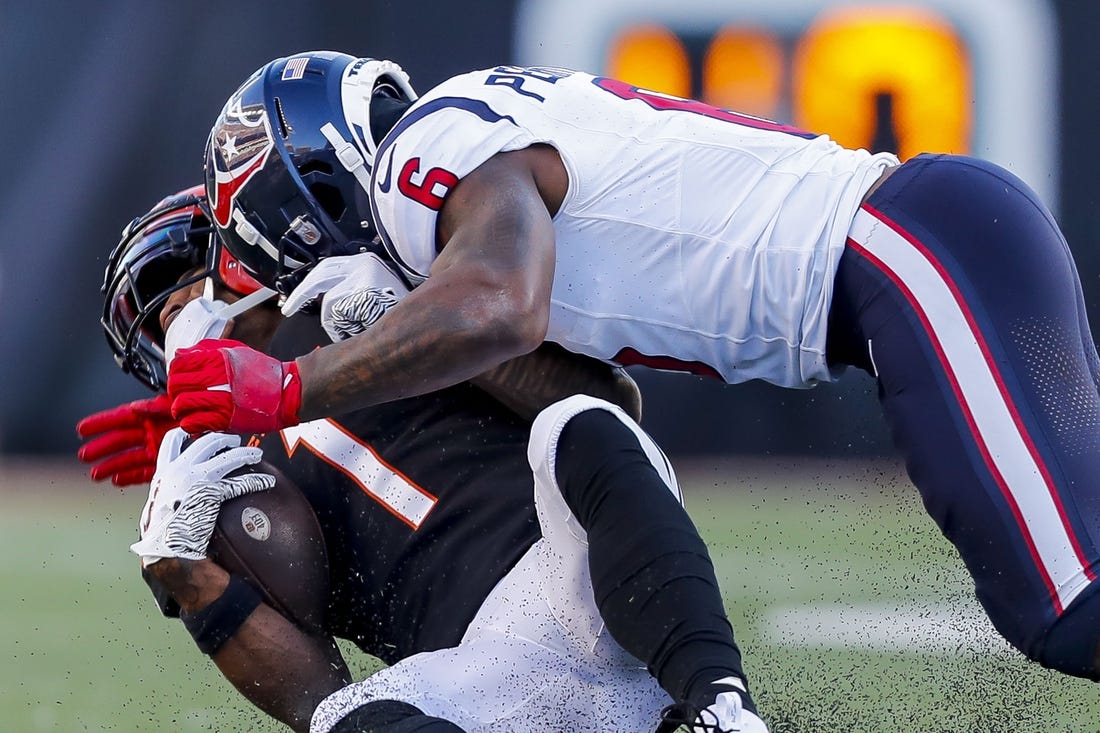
(425, 503)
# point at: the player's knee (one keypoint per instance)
(391, 716)
(582, 448)
(585, 421)
(1071, 644)
(592, 443)
(601, 453)
(546, 430)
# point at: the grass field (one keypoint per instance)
(853, 613)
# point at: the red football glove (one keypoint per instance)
(221, 385)
(122, 442)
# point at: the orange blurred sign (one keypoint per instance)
(961, 76)
(883, 78)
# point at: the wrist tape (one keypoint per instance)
(218, 622)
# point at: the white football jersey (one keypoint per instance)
(691, 238)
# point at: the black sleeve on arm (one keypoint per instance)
(220, 620)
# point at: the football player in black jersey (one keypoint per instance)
(440, 563)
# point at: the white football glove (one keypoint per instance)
(355, 291)
(200, 319)
(206, 318)
(187, 492)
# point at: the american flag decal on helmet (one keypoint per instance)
(239, 147)
(295, 68)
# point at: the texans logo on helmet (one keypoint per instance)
(239, 147)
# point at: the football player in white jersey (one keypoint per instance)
(532, 204)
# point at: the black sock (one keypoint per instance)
(653, 579)
(391, 716)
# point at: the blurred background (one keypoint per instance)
(107, 105)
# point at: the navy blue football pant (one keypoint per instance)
(958, 292)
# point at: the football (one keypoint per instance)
(273, 539)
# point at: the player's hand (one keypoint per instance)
(122, 443)
(355, 291)
(221, 385)
(188, 490)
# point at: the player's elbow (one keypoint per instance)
(530, 321)
(522, 321)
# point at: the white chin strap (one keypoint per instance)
(348, 155)
(248, 302)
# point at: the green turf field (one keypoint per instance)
(853, 613)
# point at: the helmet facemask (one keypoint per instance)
(167, 250)
(146, 267)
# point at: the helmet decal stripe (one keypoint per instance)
(227, 184)
(239, 147)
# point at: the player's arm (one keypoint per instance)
(487, 298)
(355, 291)
(530, 383)
(278, 667)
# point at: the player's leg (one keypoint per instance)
(958, 291)
(497, 681)
(534, 659)
(611, 509)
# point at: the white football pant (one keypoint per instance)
(536, 657)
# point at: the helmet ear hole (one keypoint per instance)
(330, 199)
(284, 128)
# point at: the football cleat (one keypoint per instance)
(724, 715)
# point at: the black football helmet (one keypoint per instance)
(289, 160)
(156, 249)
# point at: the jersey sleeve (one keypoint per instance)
(443, 137)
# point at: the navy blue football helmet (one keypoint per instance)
(289, 160)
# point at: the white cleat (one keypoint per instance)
(724, 715)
